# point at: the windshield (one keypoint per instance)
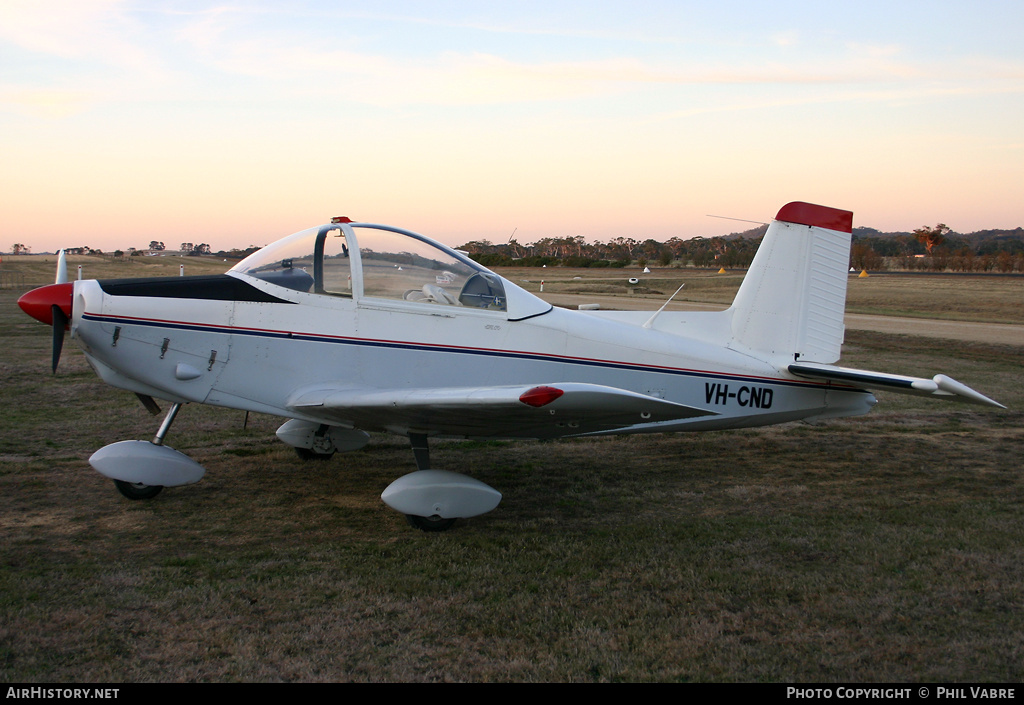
(399, 266)
(316, 259)
(395, 264)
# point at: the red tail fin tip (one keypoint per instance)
(819, 216)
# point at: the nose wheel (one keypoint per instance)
(139, 490)
(141, 469)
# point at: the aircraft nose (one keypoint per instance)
(39, 303)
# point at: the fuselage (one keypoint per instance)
(248, 342)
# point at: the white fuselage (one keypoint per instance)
(254, 355)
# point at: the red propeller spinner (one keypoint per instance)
(51, 305)
(39, 303)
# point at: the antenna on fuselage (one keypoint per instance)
(650, 320)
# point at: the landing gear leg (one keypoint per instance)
(158, 439)
(137, 490)
(421, 452)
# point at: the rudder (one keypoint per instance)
(792, 301)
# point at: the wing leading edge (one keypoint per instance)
(939, 386)
(528, 411)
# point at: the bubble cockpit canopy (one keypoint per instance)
(375, 261)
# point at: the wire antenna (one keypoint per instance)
(650, 321)
(742, 220)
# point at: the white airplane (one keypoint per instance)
(350, 328)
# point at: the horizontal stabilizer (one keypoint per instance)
(939, 386)
(527, 411)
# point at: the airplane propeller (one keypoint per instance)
(52, 305)
(60, 321)
(60, 324)
(62, 268)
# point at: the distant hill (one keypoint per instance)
(980, 243)
(752, 234)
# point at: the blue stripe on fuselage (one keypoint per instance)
(430, 347)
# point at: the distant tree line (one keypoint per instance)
(730, 251)
(186, 248)
(939, 249)
(935, 248)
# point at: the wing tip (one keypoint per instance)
(951, 386)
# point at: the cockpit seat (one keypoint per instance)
(483, 290)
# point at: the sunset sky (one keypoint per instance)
(235, 124)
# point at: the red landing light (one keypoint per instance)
(540, 396)
(341, 219)
(38, 303)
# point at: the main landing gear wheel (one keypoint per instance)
(434, 523)
(310, 454)
(137, 490)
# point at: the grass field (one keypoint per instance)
(991, 299)
(883, 548)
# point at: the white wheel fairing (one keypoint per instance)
(142, 462)
(449, 495)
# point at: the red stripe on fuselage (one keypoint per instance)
(440, 347)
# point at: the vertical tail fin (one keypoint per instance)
(792, 300)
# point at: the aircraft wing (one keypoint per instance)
(939, 386)
(527, 411)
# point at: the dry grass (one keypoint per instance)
(886, 548)
(36, 270)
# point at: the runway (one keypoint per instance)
(993, 333)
